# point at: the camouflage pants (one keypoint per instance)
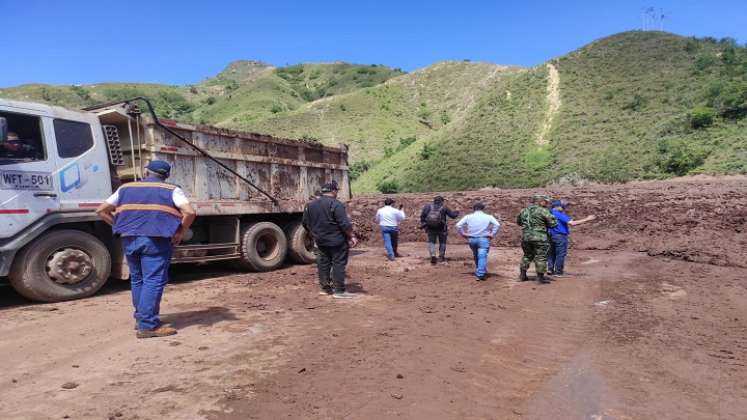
(535, 251)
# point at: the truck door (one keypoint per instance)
(83, 179)
(27, 166)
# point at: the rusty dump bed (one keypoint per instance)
(291, 171)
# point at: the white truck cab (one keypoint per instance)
(57, 166)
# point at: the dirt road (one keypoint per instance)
(630, 336)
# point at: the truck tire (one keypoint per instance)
(61, 265)
(300, 244)
(263, 247)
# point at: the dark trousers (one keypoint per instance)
(331, 263)
(558, 251)
(434, 235)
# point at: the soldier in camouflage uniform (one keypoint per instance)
(535, 220)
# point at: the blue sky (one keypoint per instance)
(182, 42)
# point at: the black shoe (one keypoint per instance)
(542, 279)
(433, 260)
(398, 255)
(442, 258)
(390, 258)
(480, 278)
(523, 276)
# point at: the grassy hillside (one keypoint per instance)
(635, 105)
(244, 92)
(379, 121)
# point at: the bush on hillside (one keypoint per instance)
(636, 103)
(427, 151)
(701, 117)
(729, 98)
(678, 156)
(306, 138)
(405, 141)
(358, 168)
(388, 186)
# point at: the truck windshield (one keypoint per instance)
(24, 142)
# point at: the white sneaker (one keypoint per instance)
(344, 295)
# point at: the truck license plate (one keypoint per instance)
(19, 180)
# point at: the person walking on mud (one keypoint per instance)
(479, 228)
(389, 219)
(535, 221)
(327, 221)
(433, 219)
(559, 237)
(151, 217)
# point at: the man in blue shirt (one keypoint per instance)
(559, 237)
(479, 228)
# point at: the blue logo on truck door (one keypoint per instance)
(70, 178)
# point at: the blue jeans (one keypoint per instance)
(148, 259)
(390, 234)
(558, 251)
(480, 248)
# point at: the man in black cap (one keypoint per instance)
(433, 219)
(327, 221)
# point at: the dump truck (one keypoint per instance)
(58, 165)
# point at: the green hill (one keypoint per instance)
(635, 105)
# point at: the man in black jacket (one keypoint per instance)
(434, 220)
(327, 221)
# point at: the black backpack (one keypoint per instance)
(434, 218)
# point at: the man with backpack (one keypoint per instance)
(433, 219)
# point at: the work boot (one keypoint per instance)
(161, 331)
(442, 258)
(325, 292)
(433, 260)
(523, 275)
(542, 279)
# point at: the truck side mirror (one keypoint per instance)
(3, 129)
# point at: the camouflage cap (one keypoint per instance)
(542, 197)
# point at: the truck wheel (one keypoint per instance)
(263, 247)
(61, 265)
(300, 244)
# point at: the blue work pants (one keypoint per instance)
(390, 234)
(480, 248)
(148, 259)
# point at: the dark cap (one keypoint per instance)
(388, 201)
(329, 187)
(160, 167)
(438, 199)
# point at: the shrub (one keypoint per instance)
(210, 100)
(445, 118)
(729, 98)
(406, 141)
(427, 151)
(701, 117)
(358, 168)
(388, 186)
(678, 156)
(343, 108)
(636, 103)
(310, 139)
(276, 108)
(193, 90)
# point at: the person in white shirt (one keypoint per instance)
(389, 219)
(479, 228)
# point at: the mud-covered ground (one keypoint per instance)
(638, 332)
